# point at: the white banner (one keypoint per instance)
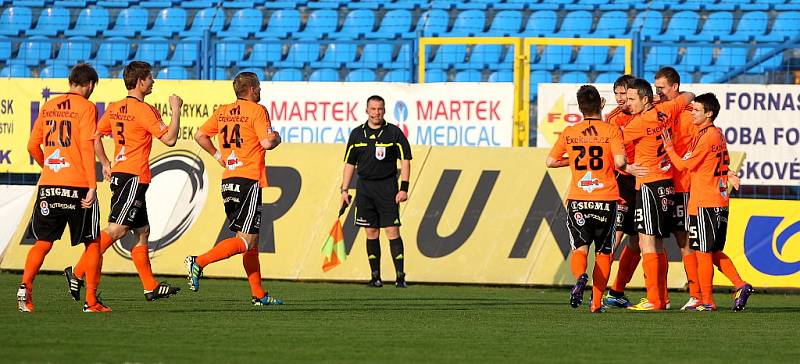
(441, 114)
(761, 120)
(13, 203)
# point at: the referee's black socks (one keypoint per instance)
(374, 256)
(396, 248)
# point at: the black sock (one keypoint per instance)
(616, 294)
(374, 256)
(396, 247)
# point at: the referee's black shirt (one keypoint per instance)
(375, 151)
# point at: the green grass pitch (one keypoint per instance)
(330, 323)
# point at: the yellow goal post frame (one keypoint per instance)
(522, 67)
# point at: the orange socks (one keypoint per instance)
(224, 250)
(602, 270)
(628, 261)
(690, 265)
(105, 243)
(92, 265)
(578, 263)
(253, 269)
(727, 268)
(705, 270)
(34, 261)
(650, 264)
(663, 269)
(141, 260)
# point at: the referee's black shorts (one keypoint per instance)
(375, 203)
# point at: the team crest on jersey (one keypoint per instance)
(121, 155)
(687, 155)
(665, 164)
(44, 208)
(233, 162)
(579, 219)
(380, 153)
(55, 161)
(589, 184)
(723, 188)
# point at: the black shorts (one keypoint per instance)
(59, 206)
(654, 206)
(680, 221)
(128, 205)
(592, 222)
(708, 229)
(626, 212)
(375, 203)
(242, 199)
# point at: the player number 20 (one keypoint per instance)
(63, 129)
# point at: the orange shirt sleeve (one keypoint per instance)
(692, 158)
(261, 122)
(36, 140)
(152, 122)
(210, 127)
(560, 148)
(104, 125)
(632, 132)
(617, 142)
(88, 131)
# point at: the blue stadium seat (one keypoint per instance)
(153, 50)
(244, 23)
(444, 4)
(219, 73)
(70, 3)
(477, 4)
(432, 76)
(91, 22)
(102, 71)
(770, 64)
(209, 18)
(337, 55)
(130, 21)
(553, 57)
(648, 23)
(324, 75)
(281, 24)
(320, 23)
(238, 4)
(588, 57)
(484, 56)
(538, 77)
(376, 55)
(366, 4)
(576, 24)
(73, 50)
(695, 58)
(361, 75)
(300, 55)
(54, 71)
(229, 51)
(693, 5)
(113, 51)
(287, 74)
(33, 51)
(15, 20)
(718, 26)
(406, 4)
(357, 24)
(447, 56)
(395, 23)
(751, 26)
(607, 77)
(116, 3)
(501, 76)
(468, 23)
(469, 76)
(541, 24)
(264, 54)
(198, 4)
(711, 77)
(617, 62)
(728, 59)
(186, 53)
(403, 58)
(325, 4)
(784, 28)
(574, 77)
(791, 5)
(506, 23)
(173, 73)
(432, 23)
(397, 76)
(681, 24)
(258, 71)
(612, 24)
(169, 21)
(5, 48)
(518, 5)
(15, 70)
(51, 22)
(158, 4)
(735, 5)
(660, 56)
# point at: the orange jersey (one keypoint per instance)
(132, 124)
(66, 127)
(707, 162)
(591, 147)
(683, 130)
(241, 127)
(644, 132)
(621, 119)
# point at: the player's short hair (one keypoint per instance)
(82, 74)
(670, 74)
(642, 88)
(135, 71)
(589, 101)
(375, 98)
(710, 103)
(624, 81)
(243, 82)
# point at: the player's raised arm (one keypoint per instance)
(171, 136)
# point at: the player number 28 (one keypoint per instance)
(595, 157)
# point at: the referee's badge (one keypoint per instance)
(380, 153)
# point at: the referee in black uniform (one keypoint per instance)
(374, 148)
